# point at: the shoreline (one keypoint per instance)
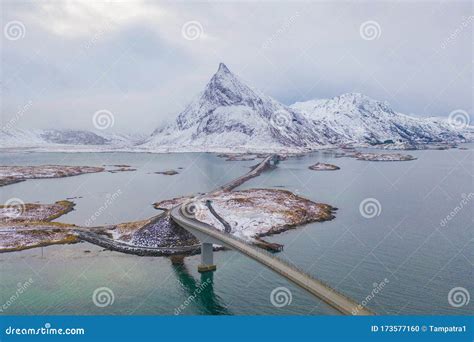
(234, 150)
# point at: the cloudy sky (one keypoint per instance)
(143, 61)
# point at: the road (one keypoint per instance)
(337, 300)
(256, 171)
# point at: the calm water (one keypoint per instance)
(406, 244)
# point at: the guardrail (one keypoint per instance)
(236, 242)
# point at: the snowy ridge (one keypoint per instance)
(229, 116)
(66, 139)
(356, 118)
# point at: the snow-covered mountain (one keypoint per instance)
(356, 118)
(62, 139)
(228, 114)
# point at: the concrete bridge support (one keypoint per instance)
(207, 258)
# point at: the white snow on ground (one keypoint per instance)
(253, 212)
(32, 212)
(258, 211)
(46, 171)
(383, 157)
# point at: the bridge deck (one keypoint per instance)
(262, 166)
(317, 288)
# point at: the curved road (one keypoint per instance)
(317, 288)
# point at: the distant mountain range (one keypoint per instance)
(230, 116)
(65, 138)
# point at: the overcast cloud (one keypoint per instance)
(132, 58)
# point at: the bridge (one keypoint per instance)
(209, 235)
(265, 164)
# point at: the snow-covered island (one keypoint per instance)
(383, 156)
(247, 214)
(33, 212)
(324, 167)
(15, 174)
(251, 215)
(167, 172)
(29, 225)
(255, 213)
(237, 156)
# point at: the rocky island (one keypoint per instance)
(29, 225)
(324, 167)
(15, 174)
(248, 214)
(383, 156)
(167, 172)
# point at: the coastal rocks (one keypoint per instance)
(158, 236)
(31, 212)
(383, 157)
(27, 225)
(238, 156)
(119, 165)
(10, 180)
(167, 172)
(324, 167)
(122, 169)
(22, 236)
(15, 174)
(372, 156)
(163, 232)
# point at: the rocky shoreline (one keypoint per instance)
(15, 174)
(252, 214)
(323, 167)
(383, 157)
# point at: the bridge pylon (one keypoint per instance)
(207, 258)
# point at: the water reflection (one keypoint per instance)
(206, 300)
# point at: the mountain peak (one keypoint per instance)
(223, 74)
(353, 96)
(225, 88)
(223, 68)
